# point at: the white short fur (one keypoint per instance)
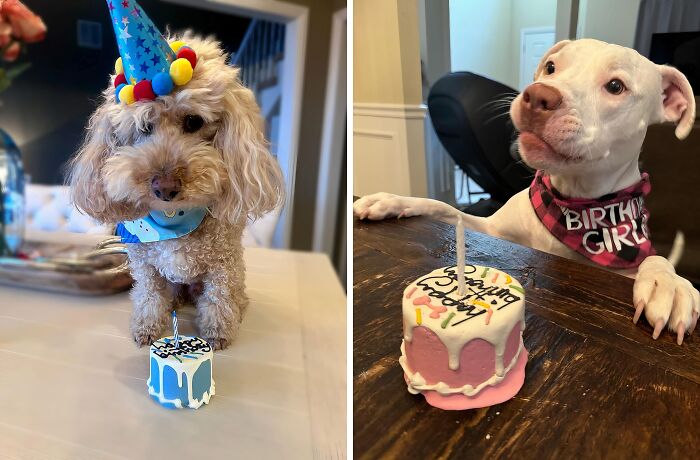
(596, 138)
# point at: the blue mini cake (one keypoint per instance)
(181, 376)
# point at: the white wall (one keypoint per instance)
(480, 38)
(528, 14)
(564, 29)
(388, 115)
(485, 35)
(613, 22)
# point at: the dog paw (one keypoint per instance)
(665, 298)
(219, 337)
(146, 331)
(220, 311)
(383, 206)
(144, 337)
(218, 343)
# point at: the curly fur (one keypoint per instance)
(225, 165)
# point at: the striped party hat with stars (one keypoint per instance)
(148, 67)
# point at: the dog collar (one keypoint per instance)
(611, 231)
(160, 225)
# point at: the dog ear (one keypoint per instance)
(678, 100)
(84, 174)
(554, 49)
(255, 183)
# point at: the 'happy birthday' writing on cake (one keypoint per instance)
(187, 346)
(444, 287)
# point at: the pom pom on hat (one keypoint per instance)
(188, 53)
(119, 88)
(118, 67)
(126, 94)
(181, 71)
(162, 84)
(121, 79)
(175, 46)
(143, 91)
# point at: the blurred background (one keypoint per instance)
(433, 80)
(292, 54)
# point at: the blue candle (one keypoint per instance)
(175, 333)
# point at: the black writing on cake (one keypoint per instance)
(444, 287)
(187, 346)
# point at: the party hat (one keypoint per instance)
(148, 66)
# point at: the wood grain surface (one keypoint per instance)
(596, 385)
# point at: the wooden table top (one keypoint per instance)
(596, 385)
(73, 383)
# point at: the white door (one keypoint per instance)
(533, 44)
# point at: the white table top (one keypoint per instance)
(73, 383)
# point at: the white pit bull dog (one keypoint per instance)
(581, 124)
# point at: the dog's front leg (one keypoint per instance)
(385, 205)
(665, 298)
(221, 305)
(152, 297)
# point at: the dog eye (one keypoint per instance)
(549, 67)
(614, 86)
(192, 123)
(146, 129)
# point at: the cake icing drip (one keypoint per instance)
(181, 376)
(490, 308)
(417, 384)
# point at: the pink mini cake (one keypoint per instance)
(464, 352)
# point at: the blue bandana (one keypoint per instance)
(159, 225)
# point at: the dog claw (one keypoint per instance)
(638, 311)
(693, 323)
(658, 328)
(681, 332)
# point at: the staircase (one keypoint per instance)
(260, 59)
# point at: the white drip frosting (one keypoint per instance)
(484, 286)
(416, 382)
(193, 403)
(182, 367)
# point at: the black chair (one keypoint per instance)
(479, 136)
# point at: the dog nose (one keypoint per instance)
(539, 97)
(165, 187)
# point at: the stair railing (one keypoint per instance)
(261, 49)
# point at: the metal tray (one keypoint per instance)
(69, 268)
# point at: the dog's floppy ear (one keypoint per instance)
(678, 100)
(255, 184)
(554, 49)
(84, 175)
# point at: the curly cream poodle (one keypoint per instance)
(201, 146)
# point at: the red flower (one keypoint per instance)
(11, 52)
(26, 26)
(5, 33)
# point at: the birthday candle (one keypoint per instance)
(175, 333)
(461, 288)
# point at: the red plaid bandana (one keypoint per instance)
(610, 231)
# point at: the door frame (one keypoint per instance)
(333, 138)
(523, 32)
(296, 19)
